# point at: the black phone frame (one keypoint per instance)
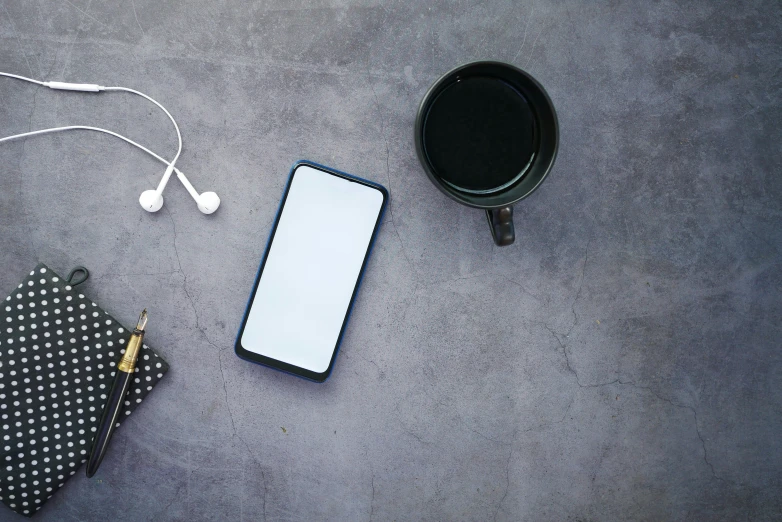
(274, 363)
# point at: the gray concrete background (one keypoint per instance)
(621, 361)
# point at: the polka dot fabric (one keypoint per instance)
(58, 356)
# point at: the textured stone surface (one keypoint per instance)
(621, 361)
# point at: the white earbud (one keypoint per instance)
(208, 202)
(152, 200)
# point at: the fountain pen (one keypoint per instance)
(122, 380)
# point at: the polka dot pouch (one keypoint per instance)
(58, 357)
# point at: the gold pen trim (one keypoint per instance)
(128, 362)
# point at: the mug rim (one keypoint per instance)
(473, 200)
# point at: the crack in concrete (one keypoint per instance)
(385, 140)
(620, 382)
(695, 418)
(372, 474)
(507, 484)
(236, 431)
(417, 437)
(580, 287)
(372, 503)
(549, 424)
(371, 362)
(165, 508)
(184, 283)
(556, 334)
(703, 444)
(516, 433)
(220, 362)
(265, 492)
(225, 391)
(139, 274)
(599, 464)
(402, 246)
(405, 428)
(523, 289)
(486, 437)
(511, 444)
(388, 167)
(567, 358)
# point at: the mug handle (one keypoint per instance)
(501, 224)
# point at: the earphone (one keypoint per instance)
(150, 200)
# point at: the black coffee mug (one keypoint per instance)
(487, 136)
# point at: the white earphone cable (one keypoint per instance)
(150, 200)
(97, 88)
(21, 78)
(176, 127)
(97, 129)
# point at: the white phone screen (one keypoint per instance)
(312, 269)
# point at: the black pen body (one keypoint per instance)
(108, 421)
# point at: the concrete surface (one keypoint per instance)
(620, 362)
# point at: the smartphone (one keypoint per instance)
(310, 273)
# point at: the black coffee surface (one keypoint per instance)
(479, 134)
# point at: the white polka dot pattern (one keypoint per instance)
(58, 351)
